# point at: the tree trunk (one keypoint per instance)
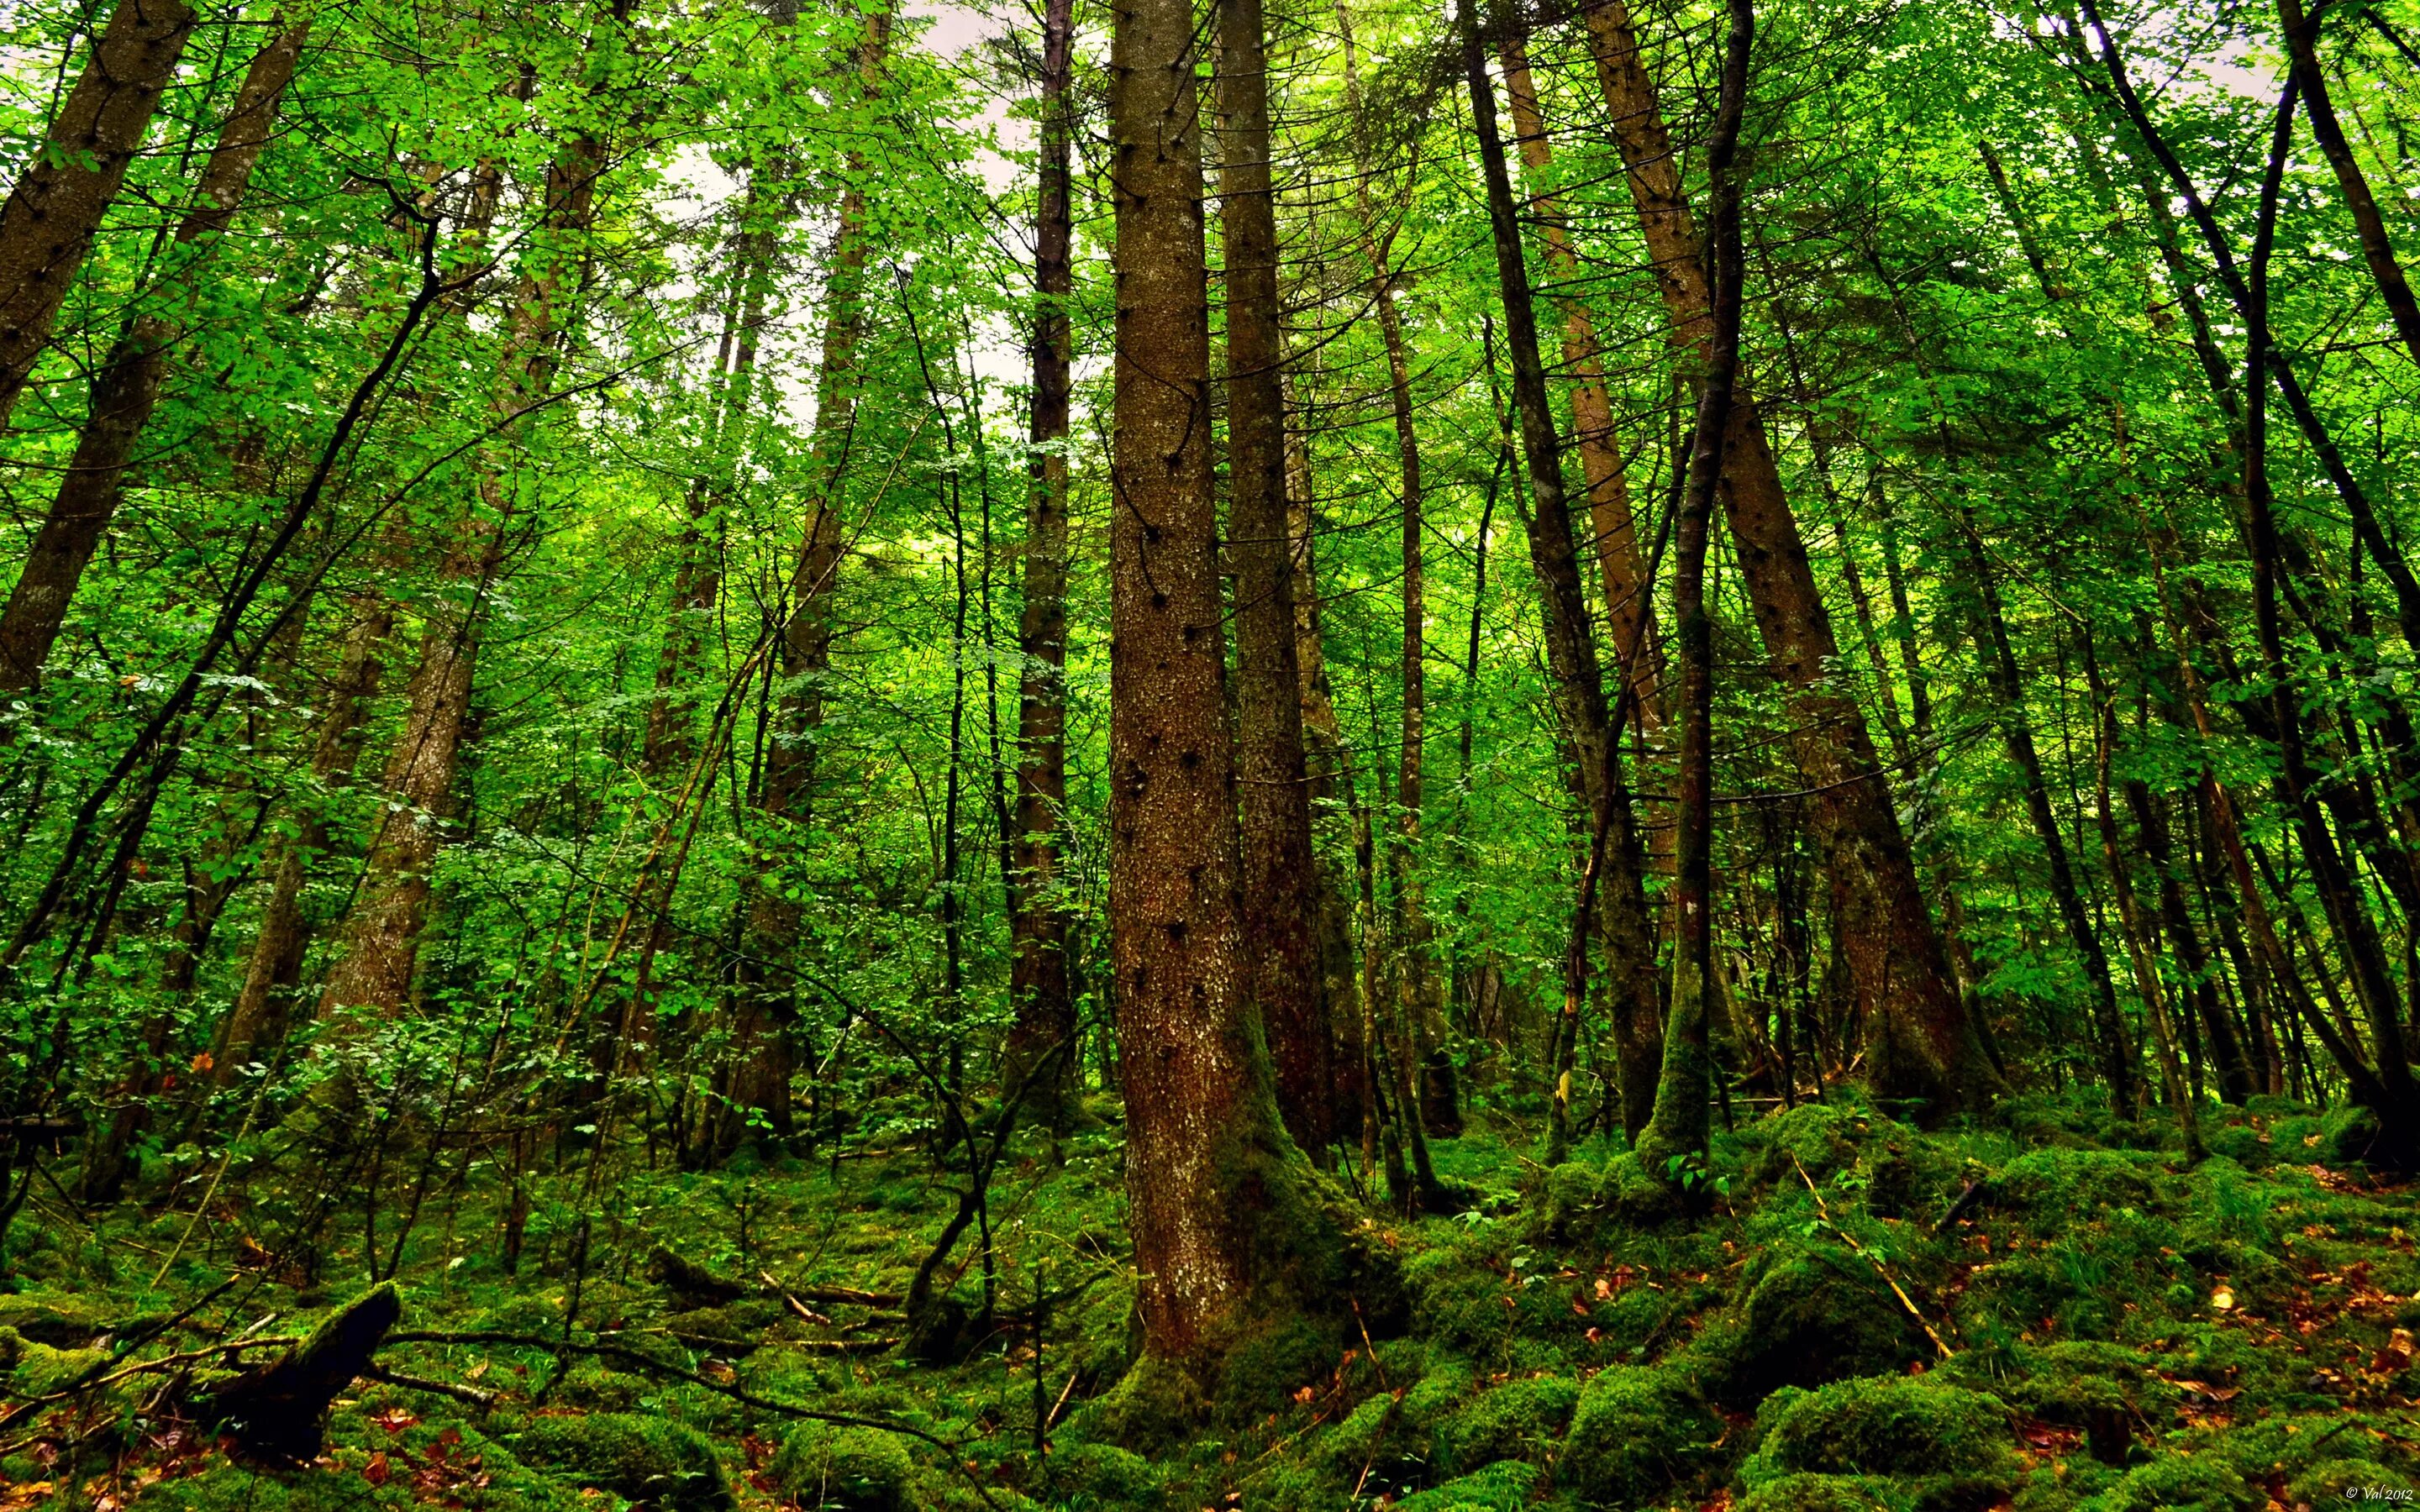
(1226, 1242)
(1271, 778)
(2017, 733)
(2235, 1081)
(1630, 613)
(1678, 1131)
(2302, 47)
(1039, 983)
(1922, 1046)
(380, 949)
(1616, 860)
(47, 225)
(127, 388)
(1329, 782)
(752, 1085)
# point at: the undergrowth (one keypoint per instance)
(2036, 1316)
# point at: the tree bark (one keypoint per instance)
(1222, 1238)
(126, 390)
(1678, 1131)
(1922, 1046)
(2301, 46)
(1040, 986)
(1271, 778)
(1617, 862)
(1630, 613)
(48, 223)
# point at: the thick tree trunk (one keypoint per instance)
(126, 390)
(1226, 1244)
(1040, 985)
(1616, 861)
(47, 225)
(1275, 801)
(1920, 1043)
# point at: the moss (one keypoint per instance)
(2180, 1483)
(1507, 1486)
(41, 1369)
(2334, 1482)
(1154, 1405)
(591, 1386)
(644, 1458)
(1804, 1492)
(1637, 1429)
(1814, 1313)
(1264, 1369)
(1887, 1425)
(65, 1322)
(2346, 1134)
(1105, 1473)
(1519, 1420)
(844, 1469)
(2067, 1182)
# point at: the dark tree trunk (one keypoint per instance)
(2017, 733)
(1678, 1131)
(1271, 778)
(1616, 862)
(2301, 46)
(1042, 1041)
(47, 224)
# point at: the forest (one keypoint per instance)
(1259, 754)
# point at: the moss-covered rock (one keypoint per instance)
(1105, 1473)
(2336, 1482)
(1507, 1486)
(592, 1387)
(1637, 1429)
(40, 1370)
(649, 1460)
(2180, 1483)
(1807, 1492)
(1520, 1420)
(2069, 1182)
(1814, 1313)
(844, 1469)
(1885, 1426)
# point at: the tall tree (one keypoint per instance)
(51, 212)
(126, 391)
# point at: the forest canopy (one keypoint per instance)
(799, 752)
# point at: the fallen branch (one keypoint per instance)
(483, 1400)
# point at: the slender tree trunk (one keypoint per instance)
(2016, 731)
(1329, 782)
(127, 388)
(1222, 1235)
(256, 1024)
(380, 947)
(47, 224)
(752, 1085)
(2301, 46)
(1040, 985)
(1616, 861)
(1678, 1131)
(1271, 778)
(1630, 613)
(1920, 1043)
(2142, 949)
(2194, 965)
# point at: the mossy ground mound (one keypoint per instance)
(2123, 1332)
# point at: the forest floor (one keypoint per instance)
(1861, 1316)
